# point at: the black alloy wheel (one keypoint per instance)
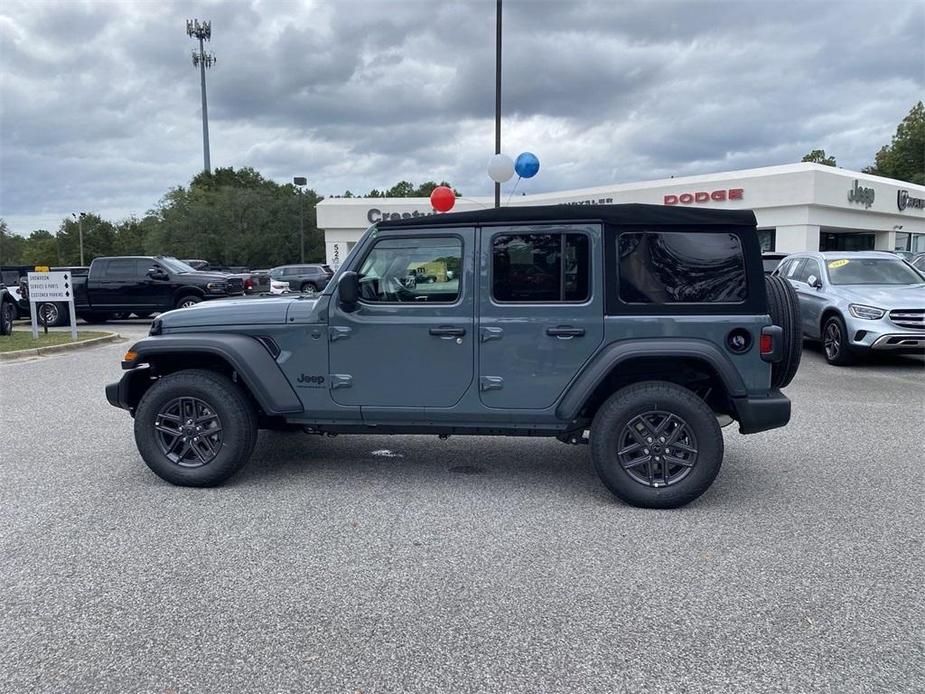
(657, 449)
(189, 432)
(834, 343)
(656, 444)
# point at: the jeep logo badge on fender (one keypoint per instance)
(703, 196)
(862, 196)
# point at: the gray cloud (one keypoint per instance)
(99, 102)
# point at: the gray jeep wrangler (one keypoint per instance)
(637, 329)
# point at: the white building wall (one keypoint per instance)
(799, 200)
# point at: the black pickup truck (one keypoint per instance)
(114, 287)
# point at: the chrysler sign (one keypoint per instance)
(703, 196)
(904, 200)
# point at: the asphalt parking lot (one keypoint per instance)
(330, 566)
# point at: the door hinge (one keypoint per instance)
(491, 383)
(340, 381)
(336, 333)
(489, 334)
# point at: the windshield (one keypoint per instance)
(175, 265)
(871, 271)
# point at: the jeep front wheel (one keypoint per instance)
(195, 428)
(656, 445)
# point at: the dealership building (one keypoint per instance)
(798, 207)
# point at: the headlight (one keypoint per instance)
(865, 312)
(216, 286)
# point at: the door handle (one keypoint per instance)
(445, 331)
(564, 332)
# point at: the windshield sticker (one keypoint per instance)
(835, 264)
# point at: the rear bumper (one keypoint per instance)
(761, 414)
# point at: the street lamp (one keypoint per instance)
(80, 232)
(300, 182)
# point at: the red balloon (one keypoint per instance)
(442, 199)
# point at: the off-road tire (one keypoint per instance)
(188, 300)
(784, 309)
(7, 314)
(615, 415)
(840, 353)
(236, 414)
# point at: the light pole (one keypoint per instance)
(80, 232)
(300, 182)
(498, 94)
(203, 32)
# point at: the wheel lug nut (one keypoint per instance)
(646, 451)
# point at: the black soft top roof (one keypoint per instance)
(624, 214)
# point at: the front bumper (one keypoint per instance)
(900, 342)
(128, 389)
(882, 334)
(761, 414)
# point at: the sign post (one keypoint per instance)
(51, 287)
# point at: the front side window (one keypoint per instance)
(681, 268)
(544, 268)
(809, 267)
(412, 270)
(871, 271)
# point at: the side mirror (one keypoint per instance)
(814, 281)
(157, 274)
(348, 291)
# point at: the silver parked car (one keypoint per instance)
(857, 301)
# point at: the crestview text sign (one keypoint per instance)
(374, 215)
(703, 196)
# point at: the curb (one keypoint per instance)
(66, 347)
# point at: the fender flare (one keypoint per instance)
(614, 354)
(247, 356)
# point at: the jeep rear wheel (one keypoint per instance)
(195, 428)
(784, 309)
(656, 445)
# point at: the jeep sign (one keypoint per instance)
(703, 196)
(862, 196)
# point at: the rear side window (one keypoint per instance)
(125, 268)
(543, 268)
(681, 268)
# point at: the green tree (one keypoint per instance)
(99, 239)
(11, 245)
(904, 158)
(40, 248)
(817, 156)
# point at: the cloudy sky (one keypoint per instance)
(101, 107)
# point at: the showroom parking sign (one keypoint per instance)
(51, 287)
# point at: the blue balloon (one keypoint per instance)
(527, 165)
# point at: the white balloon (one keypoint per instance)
(500, 168)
